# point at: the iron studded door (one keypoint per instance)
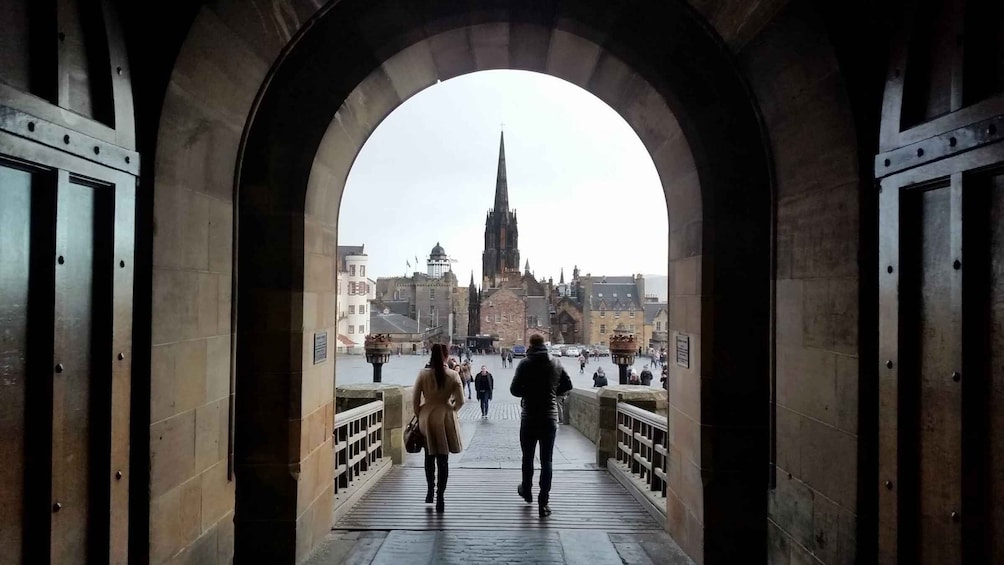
(66, 240)
(941, 381)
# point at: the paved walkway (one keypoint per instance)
(594, 521)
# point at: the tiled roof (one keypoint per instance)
(652, 310)
(538, 306)
(346, 250)
(616, 293)
(392, 324)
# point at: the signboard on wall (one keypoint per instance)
(320, 347)
(683, 350)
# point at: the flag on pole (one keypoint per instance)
(406, 262)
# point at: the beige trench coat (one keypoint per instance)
(437, 416)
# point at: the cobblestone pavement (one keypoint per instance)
(402, 370)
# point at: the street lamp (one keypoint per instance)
(622, 351)
(377, 348)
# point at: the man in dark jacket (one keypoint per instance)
(484, 385)
(538, 381)
(646, 376)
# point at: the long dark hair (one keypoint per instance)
(437, 362)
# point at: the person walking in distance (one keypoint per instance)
(484, 385)
(466, 378)
(599, 378)
(538, 382)
(582, 364)
(443, 395)
(646, 376)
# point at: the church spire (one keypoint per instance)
(501, 187)
(527, 268)
(562, 279)
(472, 277)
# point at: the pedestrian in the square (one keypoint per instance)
(436, 398)
(646, 376)
(599, 378)
(633, 378)
(538, 381)
(508, 358)
(466, 377)
(582, 364)
(484, 385)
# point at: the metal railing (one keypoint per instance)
(358, 435)
(642, 437)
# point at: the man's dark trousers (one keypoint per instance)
(532, 432)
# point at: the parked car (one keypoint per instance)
(555, 351)
(602, 351)
(519, 351)
(572, 352)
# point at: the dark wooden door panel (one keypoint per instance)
(72, 400)
(933, 320)
(15, 261)
(994, 373)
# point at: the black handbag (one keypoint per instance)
(414, 439)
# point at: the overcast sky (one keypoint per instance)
(580, 180)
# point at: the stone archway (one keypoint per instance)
(355, 63)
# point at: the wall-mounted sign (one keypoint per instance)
(320, 347)
(683, 350)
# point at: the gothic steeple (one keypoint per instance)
(500, 259)
(562, 279)
(501, 187)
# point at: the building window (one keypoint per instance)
(498, 317)
(603, 328)
(362, 309)
(352, 270)
(631, 328)
(632, 313)
(352, 329)
(352, 309)
(362, 270)
(617, 314)
(362, 328)
(603, 313)
(488, 318)
(432, 294)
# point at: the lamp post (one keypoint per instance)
(622, 351)
(377, 348)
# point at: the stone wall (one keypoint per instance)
(582, 406)
(795, 75)
(509, 311)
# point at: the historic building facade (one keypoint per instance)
(355, 291)
(609, 302)
(428, 298)
(510, 304)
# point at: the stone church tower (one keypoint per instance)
(501, 255)
(473, 308)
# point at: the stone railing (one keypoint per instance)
(359, 443)
(397, 410)
(642, 456)
(641, 445)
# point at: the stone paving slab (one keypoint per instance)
(461, 547)
(494, 443)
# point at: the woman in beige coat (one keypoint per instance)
(437, 418)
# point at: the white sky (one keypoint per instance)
(579, 180)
